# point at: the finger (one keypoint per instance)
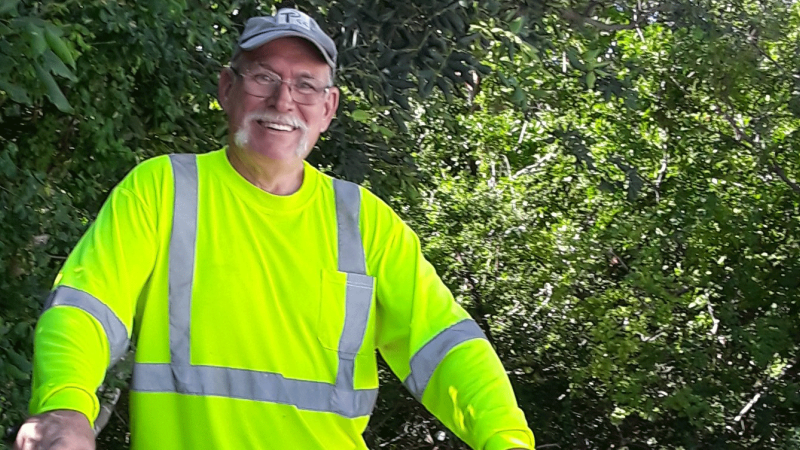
(27, 437)
(21, 443)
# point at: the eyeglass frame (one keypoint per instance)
(320, 93)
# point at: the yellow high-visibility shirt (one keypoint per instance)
(256, 317)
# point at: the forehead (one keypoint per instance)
(293, 51)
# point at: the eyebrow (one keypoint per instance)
(303, 74)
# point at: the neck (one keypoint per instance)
(275, 177)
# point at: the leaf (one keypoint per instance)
(8, 6)
(605, 186)
(53, 91)
(58, 46)
(386, 132)
(36, 38)
(635, 185)
(590, 79)
(519, 96)
(19, 361)
(572, 55)
(57, 67)
(401, 100)
(17, 94)
(591, 55)
(466, 40)
(399, 120)
(402, 83)
(516, 25)
(426, 80)
(360, 115)
(503, 79)
(538, 93)
(22, 329)
(483, 69)
(456, 21)
(442, 84)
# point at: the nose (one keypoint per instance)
(282, 98)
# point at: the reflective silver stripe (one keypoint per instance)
(425, 361)
(181, 255)
(358, 292)
(180, 376)
(348, 205)
(358, 297)
(116, 333)
(357, 303)
(251, 385)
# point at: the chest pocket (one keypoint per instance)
(346, 312)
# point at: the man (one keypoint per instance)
(259, 289)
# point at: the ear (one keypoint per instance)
(226, 79)
(330, 105)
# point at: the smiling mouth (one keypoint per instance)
(275, 126)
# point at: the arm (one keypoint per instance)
(88, 318)
(432, 344)
(471, 386)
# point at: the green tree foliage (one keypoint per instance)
(621, 216)
(610, 188)
(87, 89)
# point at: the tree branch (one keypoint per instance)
(778, 170)
(575, 17)
(762, 391)
(640, 17)
(539, 163)
(747, 407)
(746, 141)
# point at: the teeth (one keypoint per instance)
(279, 127)
(276, 126)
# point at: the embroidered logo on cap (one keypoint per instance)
(294, 18)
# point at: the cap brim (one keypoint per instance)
(257, 41)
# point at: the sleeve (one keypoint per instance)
(433, 345)
(88, 318)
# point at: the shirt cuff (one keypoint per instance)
(506, 440)
(73, 398)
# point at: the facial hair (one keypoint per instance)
(242, 136)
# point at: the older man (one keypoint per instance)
(259, 289)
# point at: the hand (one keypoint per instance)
(56, 430)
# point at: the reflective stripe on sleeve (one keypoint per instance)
(116, 333)
(425, 361)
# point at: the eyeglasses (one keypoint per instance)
(265, 83)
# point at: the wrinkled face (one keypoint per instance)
(276, 126)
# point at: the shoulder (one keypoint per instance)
(149, 179)
(375, 215)
(156, 167)
(372, 207)
(381, 225)
(377, 209)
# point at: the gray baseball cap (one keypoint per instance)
(287, 22)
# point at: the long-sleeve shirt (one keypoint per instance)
(256, 318)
